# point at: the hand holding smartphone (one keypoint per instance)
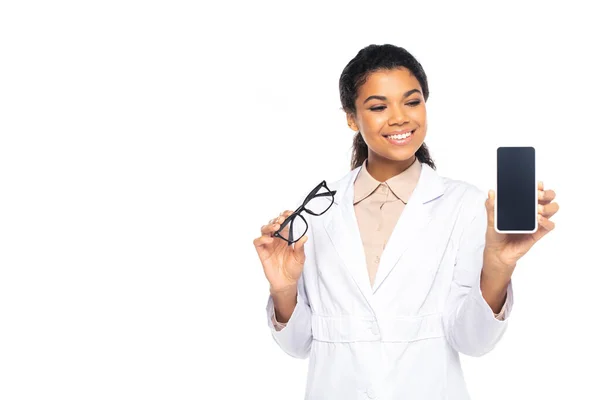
(516, 205)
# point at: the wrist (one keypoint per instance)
(284, 302)
(494, 289)
(283, 291)
(494, 266)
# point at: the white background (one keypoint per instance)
(143, 144)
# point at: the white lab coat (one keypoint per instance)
(401, 338)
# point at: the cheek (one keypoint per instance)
(419, 115)
(374, 122)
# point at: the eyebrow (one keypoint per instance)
(383, 98)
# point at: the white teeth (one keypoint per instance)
(398, 137)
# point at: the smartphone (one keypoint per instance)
(516, 205)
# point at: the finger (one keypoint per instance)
(299, 245)
(268, 229)
(544, 227)
(546, 196)
(546, 223)
(489, 206)
(261, 241)
(548, 210)
(279, 219)
(283, 214)
(540, 185)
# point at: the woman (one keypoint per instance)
(390, 324)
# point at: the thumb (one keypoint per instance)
(299, 246)
(489, 206)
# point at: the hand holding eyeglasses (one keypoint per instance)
(281, 244)
(281, 262)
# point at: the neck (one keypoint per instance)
(383, 169)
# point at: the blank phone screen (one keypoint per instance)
(516, 189)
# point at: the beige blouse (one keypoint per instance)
(378, 206)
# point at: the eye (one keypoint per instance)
(411, 104)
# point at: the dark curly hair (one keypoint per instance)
(371, 59)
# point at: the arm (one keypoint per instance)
(470, 324)
(292, 308)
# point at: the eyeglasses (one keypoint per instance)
(318, 201)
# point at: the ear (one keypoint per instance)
(352, 122)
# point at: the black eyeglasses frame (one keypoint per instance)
(313, 194)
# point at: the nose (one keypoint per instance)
(397, 117)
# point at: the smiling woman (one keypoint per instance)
(391, 121)
(388, 104)
(404, 271)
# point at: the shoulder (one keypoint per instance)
(338, 184)
(466, 196)
(466, 202)
(463, 189)
(343, 183)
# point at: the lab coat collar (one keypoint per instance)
(341, 225)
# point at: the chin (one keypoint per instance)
(404, 155)
(401, 153)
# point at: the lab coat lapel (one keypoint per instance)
(342, 228)
(411, 227)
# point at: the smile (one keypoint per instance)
(400, 140)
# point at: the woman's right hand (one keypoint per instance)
(282, 264)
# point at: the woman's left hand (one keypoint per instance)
(502, 251)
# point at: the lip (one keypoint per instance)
(399, 132)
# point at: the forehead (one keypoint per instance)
(389, 83)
